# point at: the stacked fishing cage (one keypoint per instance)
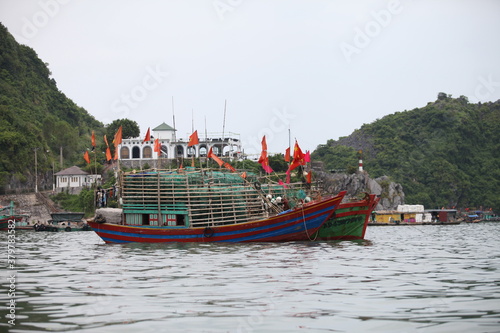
(198, 197)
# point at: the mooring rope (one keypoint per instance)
(305, 225)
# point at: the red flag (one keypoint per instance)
(263, 154)
(148, 136)
(108, 154)
(157, 146)
(267, 168)
(214, 157)
(263, 159)
(193, 139)
(307, 156)
(106, 140)
(93, 139)
(298, 157)
(282, 184)
(308, 177)
(287, 180)
(287, 155)
(86, 157)
(118, 137)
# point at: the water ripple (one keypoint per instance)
(402, 279)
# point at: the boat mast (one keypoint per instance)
(223, 129)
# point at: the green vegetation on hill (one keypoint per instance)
(446, 154)
(34, 113)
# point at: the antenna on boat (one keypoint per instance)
(223, 129)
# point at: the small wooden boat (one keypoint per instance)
(350, 220)
(211, 206)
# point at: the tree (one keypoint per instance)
(130, 129)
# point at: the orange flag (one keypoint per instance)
(93, 139)
(148, 135)
(287, 155)
(229, 167)
(214, 157)
(108, 154)
(244, 175)
(308, 177)
(157, 146)
(193, 139)
(106, 140)
(118, 137)
(86, 157)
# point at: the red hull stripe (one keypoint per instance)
(294, 225)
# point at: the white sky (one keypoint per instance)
(322, 68)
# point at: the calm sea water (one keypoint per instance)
(401, 279)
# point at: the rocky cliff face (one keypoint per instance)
(30, 204)
(391, 194)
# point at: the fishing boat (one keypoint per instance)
(7, 214)
(201, 205)
(350, 220)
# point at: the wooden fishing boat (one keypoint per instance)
(350, 220)
(212, 206)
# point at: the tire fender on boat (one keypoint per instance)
(257, 186)
(67, 229)
(208, 232)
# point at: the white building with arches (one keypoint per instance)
(135, 152)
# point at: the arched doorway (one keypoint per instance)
(147, 152)
(136, 152)
(124, 153)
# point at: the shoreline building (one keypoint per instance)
(134, 152)
(74, 179)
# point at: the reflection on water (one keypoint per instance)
(402, 279)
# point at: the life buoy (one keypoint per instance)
(208, 232)
(67, 229)
(257, 186)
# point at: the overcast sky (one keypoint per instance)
(322, 68)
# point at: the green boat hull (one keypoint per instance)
(349, 221)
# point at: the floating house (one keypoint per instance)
(136, 152)
(441, 215)
(403, 214)
(407, 214)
